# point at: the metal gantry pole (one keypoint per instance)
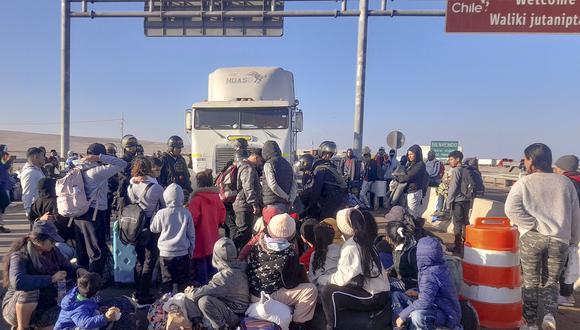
(64, 77)
(361, 61)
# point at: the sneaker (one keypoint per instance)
(566, 301)
(549, 322)
(438, 214)
(4, 230)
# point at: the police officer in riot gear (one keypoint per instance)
(120, 182)
(328, 190)
(129, 143)
(174, 168)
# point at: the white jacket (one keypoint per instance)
(29, 177)
(350, 266)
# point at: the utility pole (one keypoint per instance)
(361, 61)
(64, 77)
(122, 125)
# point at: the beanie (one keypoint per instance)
(343, 221)
(307, 229)
(568, 163)
(395, 214)
(282, 226)
(337, 235)
(269, 212)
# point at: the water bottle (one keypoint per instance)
(61, 288)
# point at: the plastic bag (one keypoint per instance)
(271, 310)
(176, 301)
(572, 272)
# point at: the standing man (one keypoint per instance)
(121, 181)
(247, 204)
(433, 167)
(174, 168)
(350, 169)
(279, 187)
(91, 244)
(456, 201)
(329, 189)
(29, 176)
(368, 176)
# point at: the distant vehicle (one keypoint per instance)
(252, 103)
(504, 162)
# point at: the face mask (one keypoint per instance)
(276, 244)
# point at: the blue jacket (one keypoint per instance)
(75, 313)
(436, 288)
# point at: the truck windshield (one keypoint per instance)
(247, 118)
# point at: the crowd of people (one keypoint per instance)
(302, 234)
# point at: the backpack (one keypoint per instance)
(340, 182)
(156, 315)
(227, 184)
(133, 221)
(471, 182)
(71, 198)
(250, 323)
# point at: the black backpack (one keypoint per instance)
(133, 221)
(471, 182)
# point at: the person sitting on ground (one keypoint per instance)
(435, 303)
(324, 261)
(307, 235)
(31, 269)
(226, 296)
(176, 240)
(568, 166)
(259, 228)
(79, 308)
(208, 213)
(404, 247)
(273, 268)
(358, 283)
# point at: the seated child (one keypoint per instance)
(327, 243)
(273, 267)
(176, 240)
(226, 297)
(79, 310)
(436, 303)
(307, 235)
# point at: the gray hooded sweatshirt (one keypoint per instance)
(96, 177)
(174, 224)
(230, 284)
(149, 202)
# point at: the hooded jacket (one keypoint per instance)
(436, 288)
(29, 177)
(208, 213)
(249, 188)
(415, 172)
(279, 184)
(79, 314)
(96, 177)
(150, 202)
(174, 224)
(230, 283)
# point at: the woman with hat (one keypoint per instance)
(273, 268)
(31, 270)
(358, 284)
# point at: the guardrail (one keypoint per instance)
(505, 180)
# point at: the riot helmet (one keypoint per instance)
(111, 149)
(129, 141)
(175, 141)
(327, 148)
(304, 162)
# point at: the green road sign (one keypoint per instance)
(442, 149)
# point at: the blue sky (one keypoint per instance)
(494, 93)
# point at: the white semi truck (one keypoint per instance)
(253, 103)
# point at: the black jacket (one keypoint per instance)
(280, 170)
(328, 191)
(46, 202)
(415, 172)
(175, 170)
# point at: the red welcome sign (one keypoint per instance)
(513, 16)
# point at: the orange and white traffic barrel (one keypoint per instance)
(491, 272)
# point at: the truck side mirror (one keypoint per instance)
(188, 120)
(298, 121)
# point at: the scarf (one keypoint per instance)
(276, 244)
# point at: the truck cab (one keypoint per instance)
(253, 103)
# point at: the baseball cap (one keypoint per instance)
(46, 228)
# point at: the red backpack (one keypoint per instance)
(227, 184)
